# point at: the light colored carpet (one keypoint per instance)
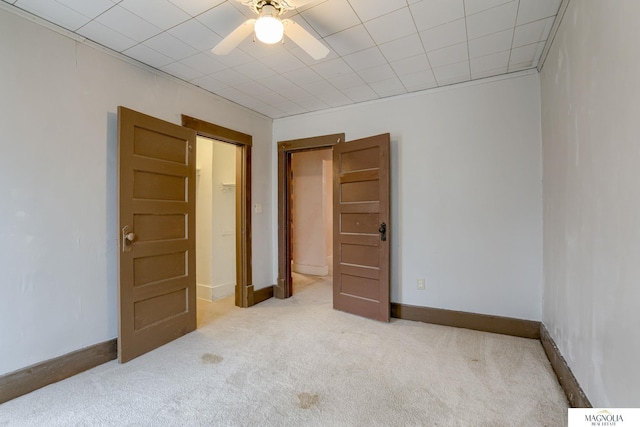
(297, 362)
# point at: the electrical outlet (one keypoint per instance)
(421, 283)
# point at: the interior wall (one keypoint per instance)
(590, 132)
(204, 218)
(309, 211)
(224, 219)
(466, 191)
(58, 182)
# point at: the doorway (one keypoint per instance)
(286, 150)
(215, 219)
(311, 216)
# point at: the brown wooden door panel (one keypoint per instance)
(361, 205)
(157, 204)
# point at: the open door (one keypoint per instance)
(361, 227)
(157, 290)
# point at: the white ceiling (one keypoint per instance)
(379, 48)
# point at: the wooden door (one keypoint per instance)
(157, 291)
(361, 213)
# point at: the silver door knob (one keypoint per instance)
(130, 236)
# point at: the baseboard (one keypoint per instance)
(263, 294)
(313, 270)
(212, 293)
(461, 319)
(42, 374)
(569, 383)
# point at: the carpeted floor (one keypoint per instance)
(297, 362)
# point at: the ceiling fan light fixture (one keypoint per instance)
(269, 28)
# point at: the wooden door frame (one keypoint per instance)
(244, 286)
(284, 288)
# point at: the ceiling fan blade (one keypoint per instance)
(235, 38)
(304, 39)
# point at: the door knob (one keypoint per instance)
(383, 232)
(128, 236)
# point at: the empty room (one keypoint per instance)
(432, 214)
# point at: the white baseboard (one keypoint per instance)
(314, 270)
(212, 293)
(330, 264)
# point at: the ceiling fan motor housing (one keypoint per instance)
(280, 6)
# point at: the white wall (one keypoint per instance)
(224, 220)
(58, 223)
(466, 191)
(591, 134)
(204, 218)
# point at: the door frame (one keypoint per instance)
(244, 294)
(284, 288)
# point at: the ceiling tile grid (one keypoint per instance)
(378, 48)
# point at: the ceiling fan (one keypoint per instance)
(269, 28)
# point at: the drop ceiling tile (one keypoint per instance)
(445, 35)
(453, 72)
(488, 73)
(196, 35)
(282, 61)
(90, 9)
(204, 62)
(347, 81)
(209, 83)
(449, 55)
(402, 48)
(367, 9)
(475, 6)
(276, 83)
(10, 1)
(360, 93)
(351, 40)
(311, 103)
(377, 73)
(255, 70)
(222, 19)
(168, 45)
(230, 77)
(492, 20)
(532, 10)
(411, 65)
(334, 98)
(419, 81)
(526, 54)
(302, 76)
(532, 32)
(331, 17)
(272, 98)
(255, 89)
(432, 13)
(365, 59)
(319, 88)
(147, 56)
(453, 80)
(388, 87)
(196, 7)
(131, 25)
(333, 68)
(492, 43)
(290, 108)
(490, 62)
(233, 58)
(55, 12)
(295, 92)
(182, 71)
(307, 59)
(392, 26)
(160, 13)
(106, 36)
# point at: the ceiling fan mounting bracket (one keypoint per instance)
(281, 6)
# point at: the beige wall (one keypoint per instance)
(591, 155)
(312, 201)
